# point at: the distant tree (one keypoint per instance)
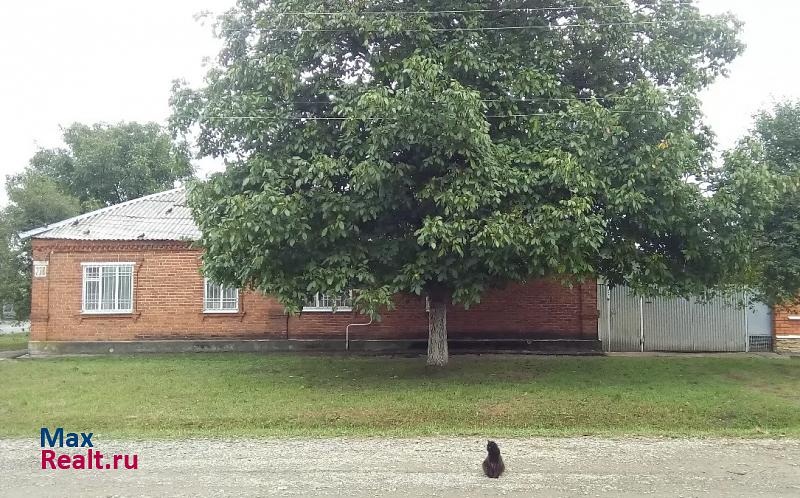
(761, 180)
(14, 289)
(445, 148)
(100, 166)
(107, 164)
(35, 200)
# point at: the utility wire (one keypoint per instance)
(376, 118)
(300, 30)
(470, 11)
(531, 100)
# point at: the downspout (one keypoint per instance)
(746, 331)
(347, 332)
(580, 310)
(608, 316)
(641, 324)
(47, 327)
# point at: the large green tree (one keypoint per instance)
(444, 148)
(106, 164)
(761, 181)
(100, 165)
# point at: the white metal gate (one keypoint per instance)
(633, 323)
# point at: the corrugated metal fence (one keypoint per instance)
(633, 323)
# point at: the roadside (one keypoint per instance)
(12, 354)
(417, 467)
(280, 395)
(14, 342)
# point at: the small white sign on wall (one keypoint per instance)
(40, 269)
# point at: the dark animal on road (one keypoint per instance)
(493, 465)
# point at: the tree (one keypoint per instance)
(100, 166)
(13, 272)
(107, 164)
(444, 148)
(761, 179)
(34, 201)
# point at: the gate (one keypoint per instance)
(629, 322)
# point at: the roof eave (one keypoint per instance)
(33, 233)
(36, 231)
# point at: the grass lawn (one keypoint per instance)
(10, 342)
(293, 395)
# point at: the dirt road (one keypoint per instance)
(416, 467)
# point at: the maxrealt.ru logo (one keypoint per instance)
(92, 459)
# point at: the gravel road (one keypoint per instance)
(416, 467)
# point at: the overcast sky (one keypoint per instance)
(99, 60)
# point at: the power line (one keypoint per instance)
(531, 100)
(377, 118)
(300, 30)
(477, 11)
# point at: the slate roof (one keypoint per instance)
(161, 216)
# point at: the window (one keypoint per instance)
(107, 288)
(326, 302)
(40, 269)
(219, 299)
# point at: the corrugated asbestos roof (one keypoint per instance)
(161, 216)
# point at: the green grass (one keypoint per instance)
(10, 342)
(283, 395)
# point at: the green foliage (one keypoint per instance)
(37, 200)
(108, 164)
(763, 175)
(447, 153)
(778, 132)
(34, 201)
(102, 165)
(14, 271)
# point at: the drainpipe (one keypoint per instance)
(580, 309)
(746, 306)
(641, 324)
(608, 316)
(347, 332)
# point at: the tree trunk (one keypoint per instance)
(437, 333)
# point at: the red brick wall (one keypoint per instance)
(786, 329)
(782, 325)
(168, 303)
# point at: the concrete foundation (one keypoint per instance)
(787, 345)
(472, 346)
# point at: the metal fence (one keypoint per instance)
(629, 322)
(7, 312)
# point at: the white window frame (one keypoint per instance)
(206, 283)
(317, 299)
(116, 310)
(40, 269)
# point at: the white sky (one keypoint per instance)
(99, 60)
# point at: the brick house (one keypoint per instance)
(786, 327)
(127, 277)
